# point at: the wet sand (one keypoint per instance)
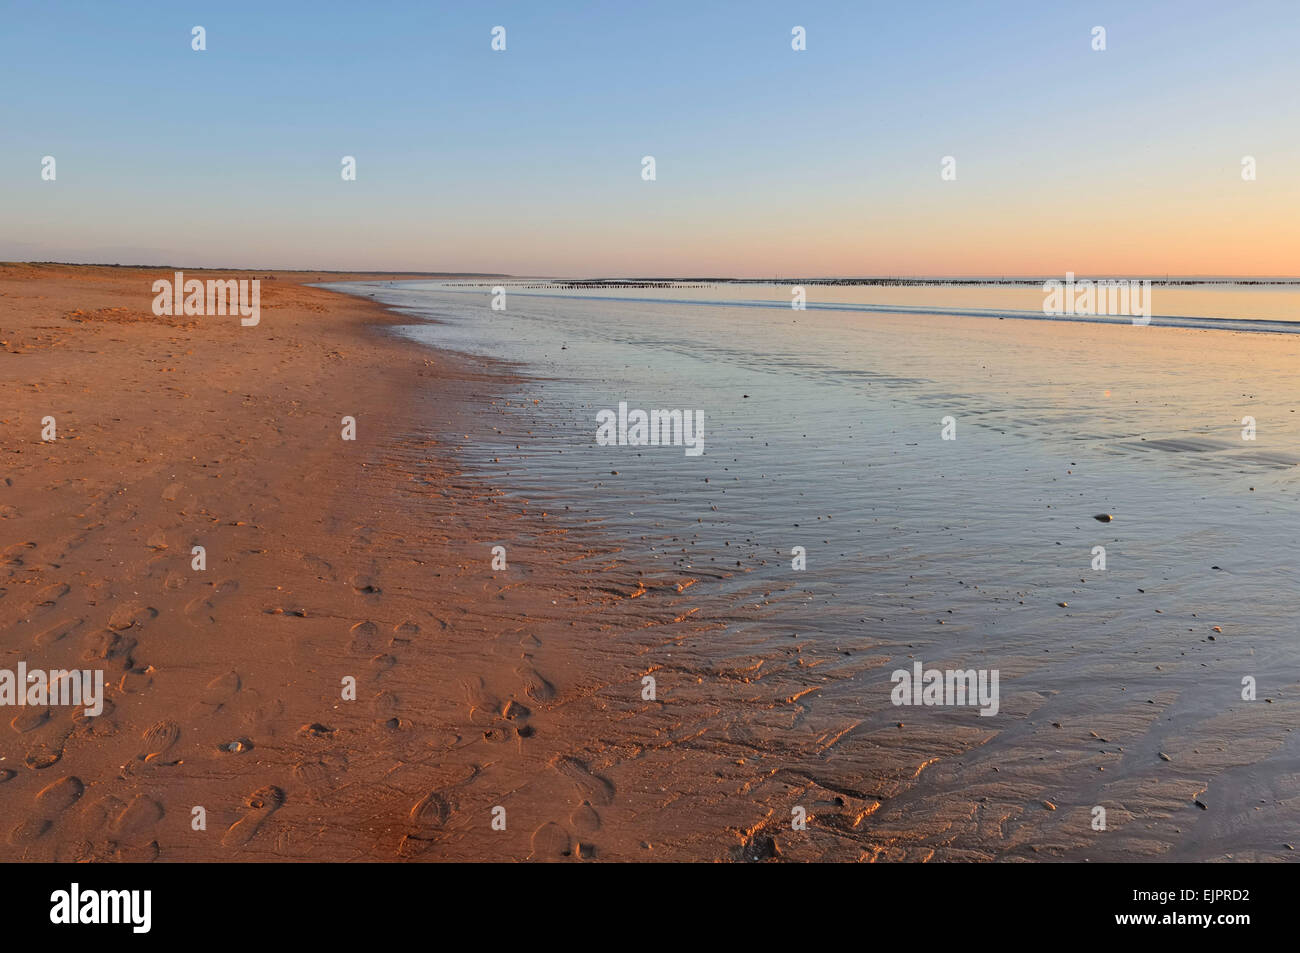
(477, 690)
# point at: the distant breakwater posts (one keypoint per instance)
(618, 284)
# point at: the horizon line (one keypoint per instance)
(1007, 278)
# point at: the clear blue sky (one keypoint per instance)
(768, 161)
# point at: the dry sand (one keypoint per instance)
(325, 559)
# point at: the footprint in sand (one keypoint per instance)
(321, 775)
(99, 814)
(518, 715)
(87, 852)
(320, 567)
(48, 750)
(43, 756)
(584, 819)
(593, 787)
(404, 634)
(315, 774)
(56, 798)
(365, 585)
(131, 615)
(136, 679)
(205, 604)
(316, 732)
(140, 816)
(220, 690)
(261, 717)
(535, 687)
(482, 703)
(60, 630)
(136, 853)
(551, 842)
(365, 638)
(29, 831)
(385, 706)
(515, 711)
(49, 597)
(29, 719)
(108, 645)
(158, 740)
(95, 726)
(428, 815)
(13, 555)
(258, 806)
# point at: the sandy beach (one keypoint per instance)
(325, 560)
(497, 714)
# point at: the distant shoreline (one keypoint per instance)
(603, 283)
(551, 281)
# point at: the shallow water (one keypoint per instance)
(822, 430)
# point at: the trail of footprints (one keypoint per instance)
(111, 829)
(108, 828)
(552, 841)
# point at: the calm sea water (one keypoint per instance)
(823, 430)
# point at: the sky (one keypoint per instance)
(768, 161)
